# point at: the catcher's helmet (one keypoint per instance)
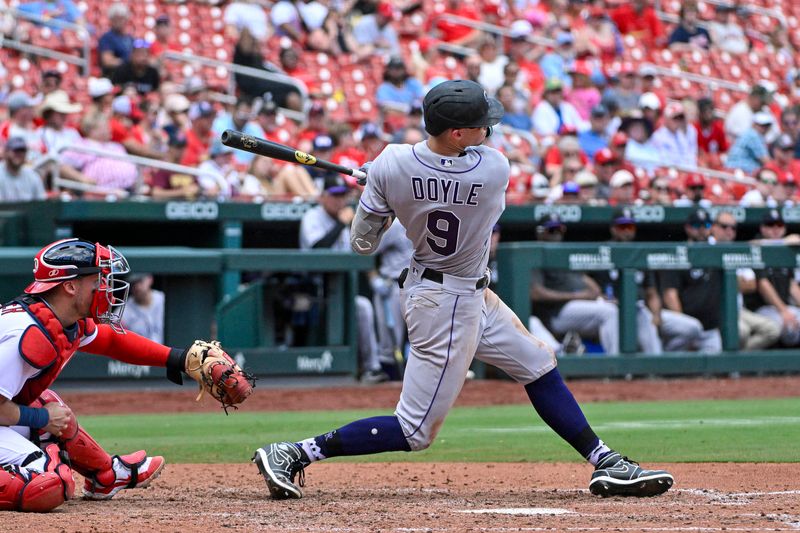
(72, 258)
(459, 104)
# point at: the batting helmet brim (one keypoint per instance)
(492, 117)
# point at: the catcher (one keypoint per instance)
(76, 302)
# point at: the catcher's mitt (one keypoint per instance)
(218, 374)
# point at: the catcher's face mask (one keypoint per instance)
(112, 294)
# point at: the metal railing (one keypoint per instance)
(246, 71)
(63, 183)
(489, 28)
(84, 61)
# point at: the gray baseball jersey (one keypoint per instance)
(448, 205)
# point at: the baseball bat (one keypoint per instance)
(256, 145)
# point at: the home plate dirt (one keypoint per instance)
(452, 497)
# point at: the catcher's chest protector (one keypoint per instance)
(45, 346)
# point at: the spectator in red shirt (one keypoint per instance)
(199, 135)
(168, 185)
(453, 32)
(125, 129)
(711, 138)
(163, 38)
(317, 124)
(639, 19)
(784, 163)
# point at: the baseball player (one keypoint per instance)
(448, 192)
(75, 302)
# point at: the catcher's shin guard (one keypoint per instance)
(86, 456)
(132, 471)
(22, 488)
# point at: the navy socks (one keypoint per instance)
(366, 436)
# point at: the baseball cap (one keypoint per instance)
(570, 187)
(695, 180)
(322, 142)
(201, 110)
(603, 156)
(52, 73)
(122, 104)
(370, 131)
(762, 118)
(520, 29)
(141, 44)
(674, 109)
(699, 216)
(772, 216)
(317, 108)
(785, 142)
(620, 178)
(580, 67)
(97, 87)
(540, 186)
(460, 104)
(396, 61)
(599, 111)
(385, 9)
(647, 70)
(176, 103)
(334, 184)
(768, 176)
(649, 101)
(553, 84)
(564, 38)
(623, 216)
(17, 100)
(550, 220)
(16, 143)
(584, 178)
(162, 20)
(619, 138)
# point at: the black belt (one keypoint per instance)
(438, 277)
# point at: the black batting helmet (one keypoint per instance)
(459, 104)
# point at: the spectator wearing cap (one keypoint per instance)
(618, 144)
(316, 123)
(763, 194)
(51, 81)
(639, 149)
(711, 138)
(322, 147)
(661, 191)
(647, 81)
(239, 118)
(115, 46)
(675, 141)
(567, 301)
(778, 292)
(599, 37)
(623, 188)
(526, 56)
(694, 187)
(650, 106)
(18, 182)
(137, 72)
(687, 34)
(740, 116)
(374, 33)
(327, 226)
(555, 63)
(570, 193)
(20, 123)
(169, 185)
(696, 291)
(556, 157)
(552, 115)
(246, 14)
(101, 91)
(588, 184)
(596, 137)
(605, 165)
(756, 332)
(726, 33)
(648, 302)
(513, 116)
(399, 90)
(55, 135)
(126, 116)
(162, 38)
(107, 174)
(639, 19)
(199, 135)
(270, 121)
(749, 152)
(371, 140)
(175, 119)
(784, 163)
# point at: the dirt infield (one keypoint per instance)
(411, 497)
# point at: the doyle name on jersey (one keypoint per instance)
(439, 190)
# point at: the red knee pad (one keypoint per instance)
(23, 490)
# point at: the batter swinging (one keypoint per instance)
(448, 192)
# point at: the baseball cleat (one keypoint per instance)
(616, 475)
(140, 472)
(279, 463)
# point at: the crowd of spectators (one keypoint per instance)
(583, 124)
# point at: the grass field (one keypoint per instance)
(676, 431)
